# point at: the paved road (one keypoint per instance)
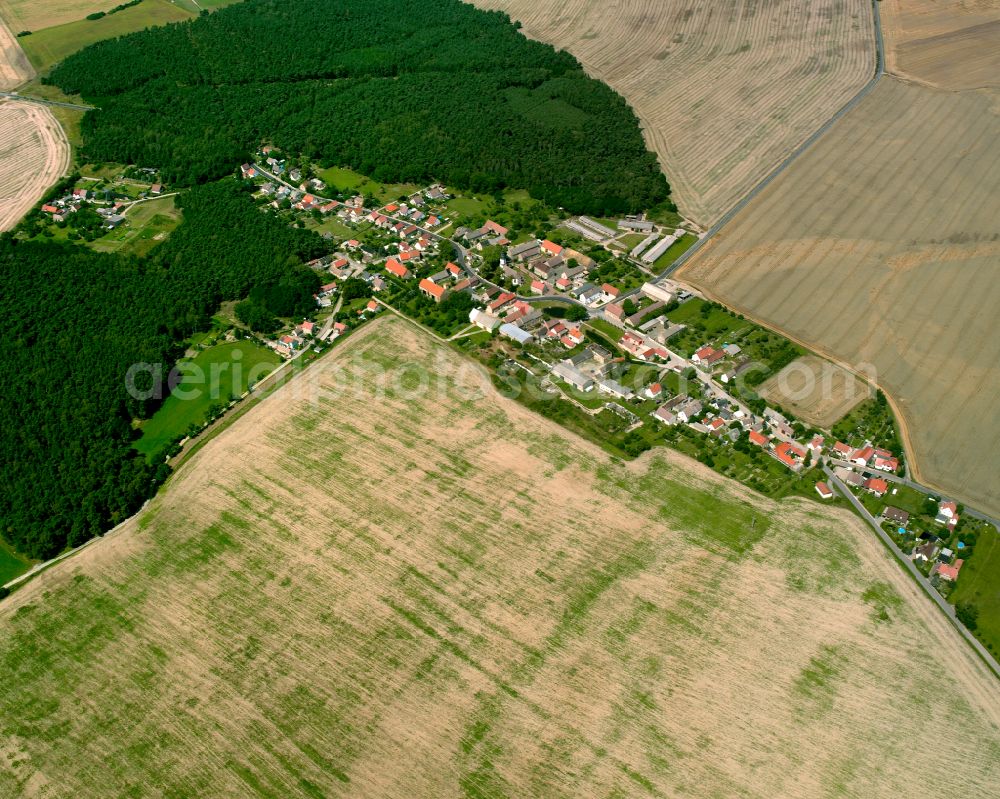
(42, 101)
(922, 581)
(892, 478)
(732, 212)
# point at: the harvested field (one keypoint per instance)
(33, 15)
(881, 246)
(950, 44)
(34, 154)
(382, 591)
(724, 91)
(15, 68)
(817, 391)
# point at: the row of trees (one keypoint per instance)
(403, 90)
(75, 320)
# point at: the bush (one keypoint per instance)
(96, 15)
(968, 614)
(4, 592)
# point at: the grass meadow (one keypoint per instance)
(383, 582)
(233, 363)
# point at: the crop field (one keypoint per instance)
(880, 247)
(949, 44)
(818, 392)
(374, 584)
(49, 46)
(33, 15)
(724, 91)
(15, 68)
(34, 154)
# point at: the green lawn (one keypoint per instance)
(11, 564)
(148, 224)
(606, 329)
(677, 249)
(49, 46)
(348, 181)
(461, 209)
(224, 375)
(979, 583)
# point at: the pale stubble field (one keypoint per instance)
(396, 593)
(724, 91)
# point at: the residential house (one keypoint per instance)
(707, 355)
(895, 515)
(653, 391)
(947, 514)
(689, 411)
(759, 439)
(505, 298)
(614, 313)
(551, 247)
(610, 293)
(484, 320)
(665, 415)
(394, 267)
(824, 491)
(946, 572)
(433, 290)
(877, 486)
(926, 553)
(537, 287)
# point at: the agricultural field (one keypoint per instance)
(947, 44)
(49, 46)
(777, 71)
(369, 586)
(818, 392)
(33, 15)
(879, 247)
(15, 68)
(212, 377)
(34, 154)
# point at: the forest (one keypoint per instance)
(76, 320)
(402, 90)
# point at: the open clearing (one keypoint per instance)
(881, 246)
(950, 44)
(724, 91)
(815, 390)
(34, 154)
(373, 590)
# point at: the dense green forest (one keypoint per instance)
(402, 90)
(74, 321)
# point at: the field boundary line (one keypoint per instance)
(727, 217)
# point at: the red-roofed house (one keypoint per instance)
(653, 390)
(306, 328)
(563, 283)
(394, 267)
(352, 243)
(876, 485)
(50, 209)
(824, 491)
(615, 311)
(493, 227)
(567, 342)
(409, 255)
(790, 455)
(537, 287)
(816, 445)
(433, 290)
(841, 450)
(949, 573)
(610, 292)
(501, 301)
(391, 208)
(861, 456)
(707, 355)
(758, 438)
(889, 464)
(551, 247)
(453, 269)
(575, 335)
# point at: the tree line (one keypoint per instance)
(402, 90)
(75, 320)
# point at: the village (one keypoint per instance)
(574, 309)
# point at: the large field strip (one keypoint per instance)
(374, 590)
(724, 90)
(34, 154)
(951, 44)
(33, 15)
(15, 68)
(881, 245)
